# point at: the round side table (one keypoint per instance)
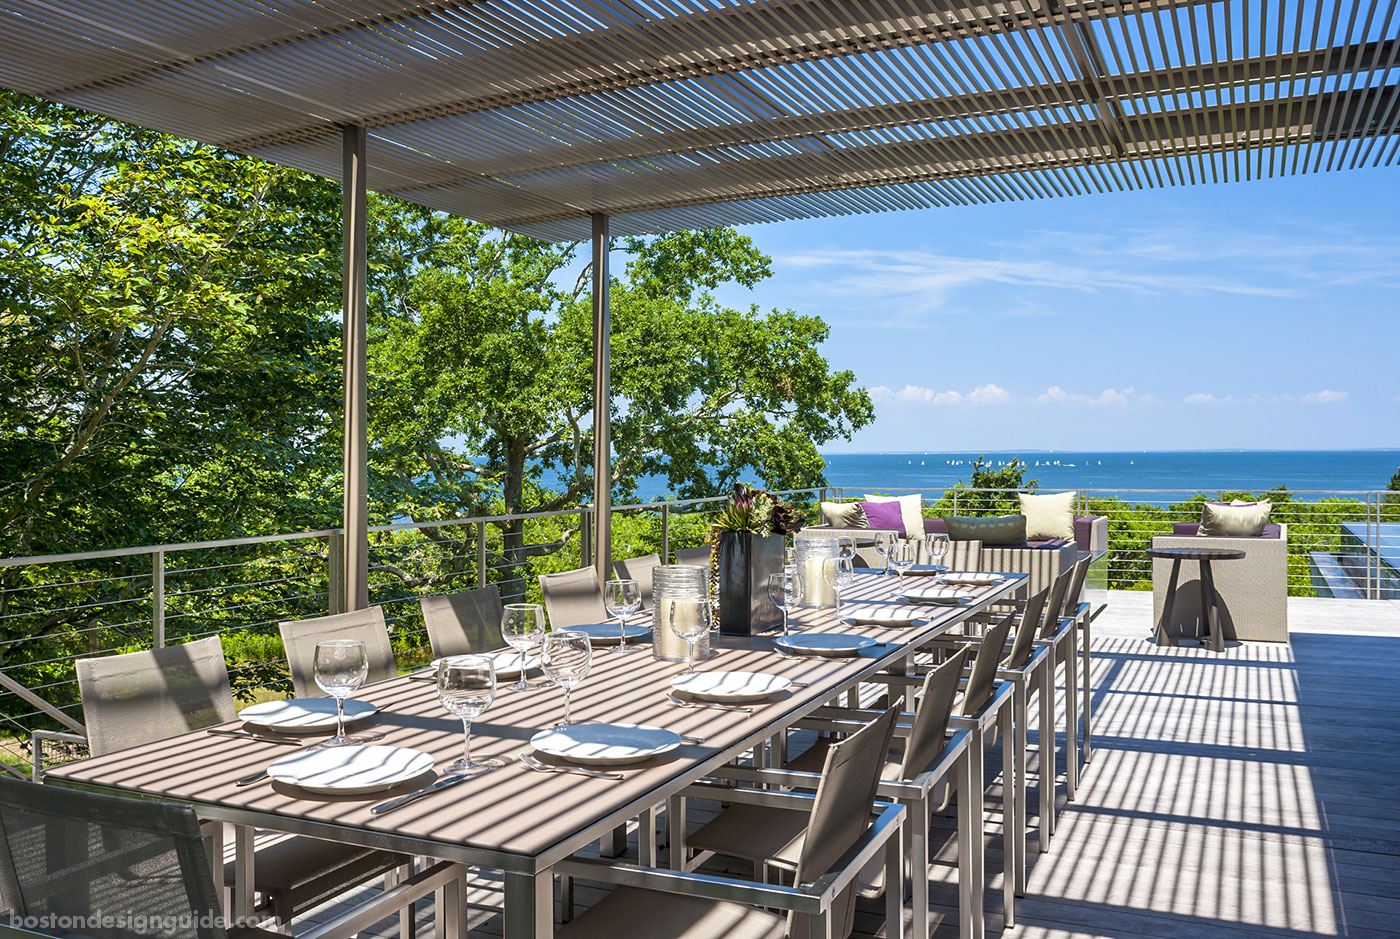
(1212, 637)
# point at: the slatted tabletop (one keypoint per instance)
(515, 818)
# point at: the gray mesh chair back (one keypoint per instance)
(928, 735)
(984, 667)
(462, 623)
(841, 812)
(138, 697)
(1056, 604)
(299, 638)
(573, 597)
(698, 557)
(1021, 644)
(638, 569)
(1075, 593)
(66, 853)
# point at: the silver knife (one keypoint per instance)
(442, 783)
(262, 738)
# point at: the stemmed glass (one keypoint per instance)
(341, 667)
(690, 619)
(785, 591)
(622, 598)
(839, 572)
(847, 549)
(884, 543)
(937, 546)
(567, 656)
(466, 686)
(903, 554)
(522, 625)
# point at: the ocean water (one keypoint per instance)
(1180, 470)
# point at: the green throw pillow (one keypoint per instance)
(1240, 520)
(1000, 531)
(844, 515)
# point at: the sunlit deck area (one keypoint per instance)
(1247, 794)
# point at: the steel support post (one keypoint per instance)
(602, 406)
(355, 507)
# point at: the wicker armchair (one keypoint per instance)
(1253, 591)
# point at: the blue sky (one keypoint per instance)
(1262, 315)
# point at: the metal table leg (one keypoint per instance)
(529, 905)
(1210, 612)
(1164, 636)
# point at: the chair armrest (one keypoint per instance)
(36, 747)
(816, 897)
(390, 901)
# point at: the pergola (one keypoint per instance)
(589, 118)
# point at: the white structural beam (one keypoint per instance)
(602, 404)
(355, 505)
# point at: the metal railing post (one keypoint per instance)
(585, 541)
(335, 573)
(666, 533)
(955, 502)
(481, 554)
(1373, 547)
(158, 599)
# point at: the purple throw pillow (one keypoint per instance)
(884, 515)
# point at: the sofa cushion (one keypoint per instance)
(911, 508)
(935, 526)
(1048, 516)
(844, 515)
(1234, 521)
(1083, 531)
(996, 531)
(1191, 529)
(884, 515)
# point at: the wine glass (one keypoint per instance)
(785, 591)
(937, 546)
(884, 542)
(622, 598)
(903, 554)
(847, 549)
(838, 572)
(341, 667)
(690, 620)
(466, 686)
(522, 625)
(567, 656)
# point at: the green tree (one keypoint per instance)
(990, 491)
(479, 339)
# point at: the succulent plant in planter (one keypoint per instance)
(748, 535)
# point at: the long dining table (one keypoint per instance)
(514, 819)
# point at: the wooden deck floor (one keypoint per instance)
(1250, 794)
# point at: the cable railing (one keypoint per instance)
(55, 609)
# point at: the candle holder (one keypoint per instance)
(676, 582)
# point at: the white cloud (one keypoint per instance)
(881, 393)
(1057, 395)
(1325, 396)
(989, 394)
(1205, 397)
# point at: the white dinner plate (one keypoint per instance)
(730, 686)
(605, 744)
(882, 614)
(351, 770)
(507, 662)
(935, 593)
(824, 643)
(605, 633)
(971, 578)
(303, 715)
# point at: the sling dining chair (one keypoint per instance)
(139, 697)
(841, 839)
(463, 623)
(299, 638)
(141, 868)
(638, 569)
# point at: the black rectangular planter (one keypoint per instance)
(745, 560)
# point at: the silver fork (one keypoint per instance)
(681, 702)
(539, 767)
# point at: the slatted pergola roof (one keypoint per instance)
(672, 114)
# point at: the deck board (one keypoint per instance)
(1237, 796)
